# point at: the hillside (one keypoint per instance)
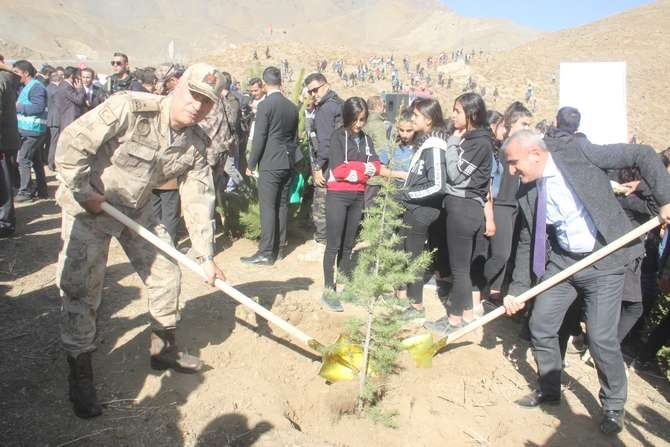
(640, 37)
(60, 30)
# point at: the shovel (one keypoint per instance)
(341, 361)
(423, 348)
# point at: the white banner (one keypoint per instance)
(598, 90)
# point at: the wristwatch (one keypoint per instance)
(203, 259)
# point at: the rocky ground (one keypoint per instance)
(260, 387)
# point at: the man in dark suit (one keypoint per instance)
(568, 210)
(53, 116)
(94, 93)
(70, 102)
(273, 150)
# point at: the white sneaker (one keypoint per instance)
(478, 310)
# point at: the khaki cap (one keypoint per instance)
(204, 79)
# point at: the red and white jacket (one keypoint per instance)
(347, 161)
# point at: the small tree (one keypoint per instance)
(382, 268)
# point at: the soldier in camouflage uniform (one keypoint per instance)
(117, 153)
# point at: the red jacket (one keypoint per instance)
(346, 156)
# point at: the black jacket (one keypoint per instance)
(275, 143)
(70, 103)
(427, 176)
(9, 134)
(327, 118)
(468, 163)
(53, 117)
(509, 184)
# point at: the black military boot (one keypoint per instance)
(82, 391)
(165, 354)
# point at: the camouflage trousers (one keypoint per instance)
(81, 271)
(319, 214)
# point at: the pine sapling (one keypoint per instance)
(381, 269)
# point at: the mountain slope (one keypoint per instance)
(640, 37)
(143, 29)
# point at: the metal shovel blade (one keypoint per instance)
(423, 348)
(341, 361)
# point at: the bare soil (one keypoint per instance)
(260, 387)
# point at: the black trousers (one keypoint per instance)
(500, 245)
(465, 224)
(7, 216)
(631, 307)
(30, 158)
(417, 221)
(273, 190)
(166, 210)
(601, 291)
(54, 133)
(343, 215)
(658, 337)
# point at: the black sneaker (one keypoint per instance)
(331, 304)
(412, 314)
(442, 326)
(22, 198)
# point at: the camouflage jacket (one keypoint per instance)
(222, 126)
(123, 149)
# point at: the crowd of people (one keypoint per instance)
(502, 204)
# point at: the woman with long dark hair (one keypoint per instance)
(423, 190)
(504, 187)
(352, 161)
(468, 164)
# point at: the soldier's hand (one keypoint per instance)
(511, 305)
(213, 272)
(319, 179)
(93, 205)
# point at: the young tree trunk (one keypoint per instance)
(364, 369)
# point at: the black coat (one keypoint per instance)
(9, 134)
(275, 134)
(584, 166)
(70, 103)
(53, 116)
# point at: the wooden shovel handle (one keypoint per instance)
(191, 264)
(551, 282)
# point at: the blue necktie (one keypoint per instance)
(540, 239)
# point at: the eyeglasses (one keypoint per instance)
(119, 63)
(312, 91)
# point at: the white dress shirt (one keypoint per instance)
(574, 227)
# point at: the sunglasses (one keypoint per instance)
(312, 91)
(119, 63)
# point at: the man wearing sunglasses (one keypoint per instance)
(327, 118)
(121, 78)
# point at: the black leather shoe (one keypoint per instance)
(612, 422)
(281, 254)
(257, 259)
(537, 398)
